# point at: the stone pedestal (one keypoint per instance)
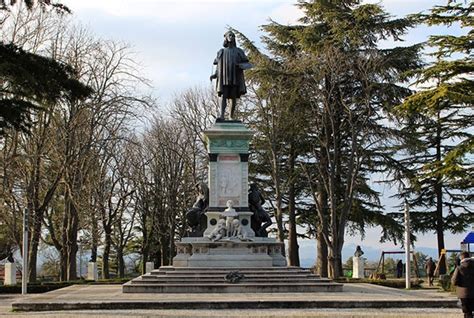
(149, 266)
(92, 271)
(227, 146)
(10, 274)
(358, 267)
(202, 252)
(228, 150)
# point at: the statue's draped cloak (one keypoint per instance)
(229, 73)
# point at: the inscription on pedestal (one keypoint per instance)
(228, 180)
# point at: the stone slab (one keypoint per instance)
(149, 267)
(92, 273)
(236, 260)
(10, 274)
(202, 252)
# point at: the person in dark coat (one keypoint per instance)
(399, 268)
(463, 279)
(430, 267)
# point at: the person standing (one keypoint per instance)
(399, 268)
(463, 279)
(430, 269)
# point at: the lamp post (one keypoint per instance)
(24, 276)
(407, 246)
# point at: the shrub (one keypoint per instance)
(445, 283)
(43, 287)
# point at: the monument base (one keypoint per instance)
(358, 267)
(92, 273)
(149, 266)
(202, 252)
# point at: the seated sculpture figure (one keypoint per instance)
(260, 220)
(195, 216)
(219, 231)
(230, 215)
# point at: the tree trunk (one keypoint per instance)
(106, 254)
(120, 263)
(72, 240)
(72, 262)
(64, 253)
(322, 255)
(63, 264)
(171, 244)
(34, 243)
(95, 238)
(278, 197)
(157, 257)
(145, 256)
(438, 188)
(145, 248)
(293, 255)
(164, 245)
(335, 262)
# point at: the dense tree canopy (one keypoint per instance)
(439, 117)
(31, 82)
(328, 81)
(322, 100)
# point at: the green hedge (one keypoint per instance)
(43, 287)
(398, 283)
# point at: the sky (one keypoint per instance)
(175, 42)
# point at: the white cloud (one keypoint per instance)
(286, 13)
(169, 11)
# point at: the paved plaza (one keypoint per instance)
(109, 301)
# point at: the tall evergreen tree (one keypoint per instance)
(440, 117)
(276, 113)
(348, 84)
(29, 82)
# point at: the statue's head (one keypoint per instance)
(229, 39)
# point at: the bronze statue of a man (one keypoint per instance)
(231, 63)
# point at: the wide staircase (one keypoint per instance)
(169, 279)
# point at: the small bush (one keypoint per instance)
(34, 288)
(43, 287)
(445, 283)
(393, 283)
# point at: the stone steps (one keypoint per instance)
(169, 279)
(230, 288)
(221, 279)
(168, 270)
